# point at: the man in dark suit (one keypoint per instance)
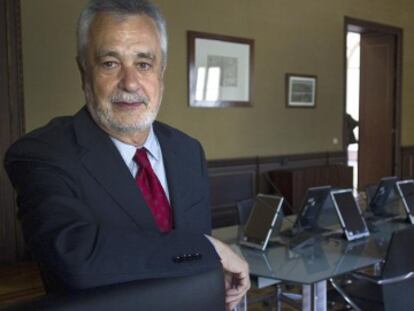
(110, 195)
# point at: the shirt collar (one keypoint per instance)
(151, 144)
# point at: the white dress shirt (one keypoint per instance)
(154, 153)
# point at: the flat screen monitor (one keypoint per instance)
(406, 191)
(349, 214)
(379, 201)
(262, 221)
(312, 205)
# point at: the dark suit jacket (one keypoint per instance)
(84, 218)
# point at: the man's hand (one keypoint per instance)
(236, 273)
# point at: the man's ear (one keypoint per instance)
(81, 68)
(163, 68)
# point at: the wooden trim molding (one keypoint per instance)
(283, 161)
(11, 123)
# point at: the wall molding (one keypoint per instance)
(283, 161)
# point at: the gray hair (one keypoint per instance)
(120, 8)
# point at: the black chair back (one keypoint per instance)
(399, 261)
(400, 255)
(203, 291)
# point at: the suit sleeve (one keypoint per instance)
(66, 235)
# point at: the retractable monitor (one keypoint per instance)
(379, 200)
(262, 221)
(349, 214)
(311, 208)
(406, 191)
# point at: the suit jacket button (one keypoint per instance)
(178, 259)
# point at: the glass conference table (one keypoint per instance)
(313, 265)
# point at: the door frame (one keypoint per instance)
(12, 118)
(363, 26)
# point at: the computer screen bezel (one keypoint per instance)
(388, 182)
(410, 215)
(262, 245)
(350, 236)
(298, 226)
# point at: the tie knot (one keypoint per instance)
(141, 157)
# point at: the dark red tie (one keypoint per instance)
(153, 192)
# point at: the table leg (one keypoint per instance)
(242, 306)
(278, 298)
(314, 297)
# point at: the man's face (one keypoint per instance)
(123, 74)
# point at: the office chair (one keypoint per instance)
(393, 288)
(202, 291)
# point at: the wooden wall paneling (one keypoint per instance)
(230, 182)
(340, 176)
(266, 164)
(337, 158)
(294, 182)
(305, 160)
(238, 179)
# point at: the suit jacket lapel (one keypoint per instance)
(105, 164)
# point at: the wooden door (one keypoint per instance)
(376, 111)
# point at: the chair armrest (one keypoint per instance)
(379, 280)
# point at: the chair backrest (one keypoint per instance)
(399, 261)
(400, 255)
(203, 291)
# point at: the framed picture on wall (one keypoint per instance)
(220, 70)
(300, 90)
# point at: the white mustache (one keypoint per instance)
(130, 98)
